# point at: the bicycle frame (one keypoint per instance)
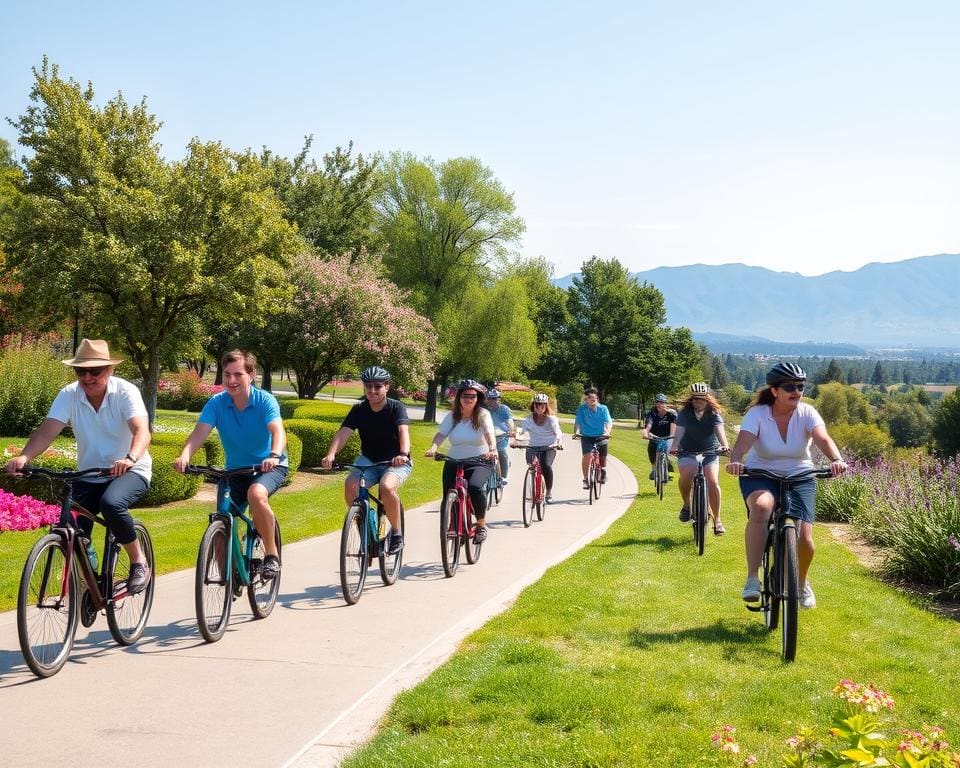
(228, 510)
(370, 541)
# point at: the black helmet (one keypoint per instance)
(375, 373)
(476, 386)
(785, 372)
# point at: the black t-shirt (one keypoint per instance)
(379, 430)
(660, 425)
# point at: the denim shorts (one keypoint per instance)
(373, 475)
(691, 461)
(802, 494)
(240, 484)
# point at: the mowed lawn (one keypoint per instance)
(633, 651)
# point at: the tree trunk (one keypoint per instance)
(266, 382)
(430, 409)
(149, 388)
(218, 379)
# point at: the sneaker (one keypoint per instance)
(549, 498)
(396, 543)
(807, 598)
(503, 481)
(138, 579)
(586, 485)
(603, 476)
(684, 514)
(751, 590)
(651, 475)
(271, 567)
(481, 535)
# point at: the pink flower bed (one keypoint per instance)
(25, 513)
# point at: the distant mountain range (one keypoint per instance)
(915, 302)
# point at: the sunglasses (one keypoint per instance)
(698, 397)
(92, 371)
(468, 395)
(375, 385)
(791, 387)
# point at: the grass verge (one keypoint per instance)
(633, 651)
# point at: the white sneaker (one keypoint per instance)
(807, 598)
(751, 590)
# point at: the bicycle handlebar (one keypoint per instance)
(470, 460)
(820, 472)
(714, 452)
(657, 437)
(339, 465)
(29, 470)
(541, 448)
(216, 473)
(598, 438)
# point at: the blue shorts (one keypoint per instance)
(240, 484)
(587, 443)
(691, 461)
(802, 494)
(373, 475)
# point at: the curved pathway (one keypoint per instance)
(310, 682)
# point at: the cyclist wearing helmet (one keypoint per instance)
(384, 429)
(661, 421)
(700, 428)
(592, 422)
(776, 432)
(469, 430)
(544, 430)
(502, 427)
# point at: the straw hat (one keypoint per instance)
(92, 353)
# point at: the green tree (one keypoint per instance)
(840, 404)
(446, 227)
(908, 422)
(719, 378)
(144, 242)
(833, 372)
(946, 426)
(878, 378)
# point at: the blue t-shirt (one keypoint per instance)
(593, 423)
(244, 434)
(501, 416)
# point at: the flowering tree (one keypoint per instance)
(344, 313)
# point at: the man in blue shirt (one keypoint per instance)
(593, 423)
(251, 431)
(502, 428)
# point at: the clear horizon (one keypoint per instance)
(807, 140)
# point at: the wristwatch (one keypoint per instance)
(131, 457)
(274, 455)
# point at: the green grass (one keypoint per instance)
(176, 528)
(633, 651)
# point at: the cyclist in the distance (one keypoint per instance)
(776, 431)
(544, 430)
(592, 424)
(384, 429)
(502, 423)
(661, 421)
(109, 420)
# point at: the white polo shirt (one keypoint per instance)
(103, 436)
(771, 451)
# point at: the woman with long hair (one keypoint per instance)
(545, 437)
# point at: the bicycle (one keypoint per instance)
(495, 483)
(534, 486)
(780, 592)
(49, 602)
(366, 531)
(226, 563)
(699, 503)
(595, 470)
(457, 527)
(661, 464)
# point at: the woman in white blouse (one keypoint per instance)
(777, 431)
(545, 437)
(469, 430)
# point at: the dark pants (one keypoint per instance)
(477, 476)
(546, 463)
(112, 500)
(652, 453)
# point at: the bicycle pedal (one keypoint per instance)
(755, 608)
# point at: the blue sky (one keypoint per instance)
(799, 137)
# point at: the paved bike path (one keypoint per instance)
(309, 683)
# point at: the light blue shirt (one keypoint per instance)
(593, 423)
(244, 434)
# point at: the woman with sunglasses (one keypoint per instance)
(700, 428)
(777, 431)
(544, 430)
(109, 420)
(469, 430)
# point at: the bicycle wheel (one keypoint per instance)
(660, 473)
(698, 499)
(262, 593)
(390, 564)
(212, 589)
(597, 475)
(527, 500)
(353, 553)
(790, 603)
(470, 544)
(770, 595)
(498, 488)
(491, 482)
(449, 534)
(127, 614)
(591, 484)
(541, 499)
(46, 624)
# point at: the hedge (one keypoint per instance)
(288, 407)
(212, 449)
(322, 412)
(316, 437)
(167, 484)
(40, 488)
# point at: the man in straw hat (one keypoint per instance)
(110, 423)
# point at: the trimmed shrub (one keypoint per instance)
(294, 454)
(211, 452)
(40, 488)
(289, 404)
(865, 442)
(29, 381)
(184, 390)
(167, 484)
(316, 437)
(518, 399)
(331, 412)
